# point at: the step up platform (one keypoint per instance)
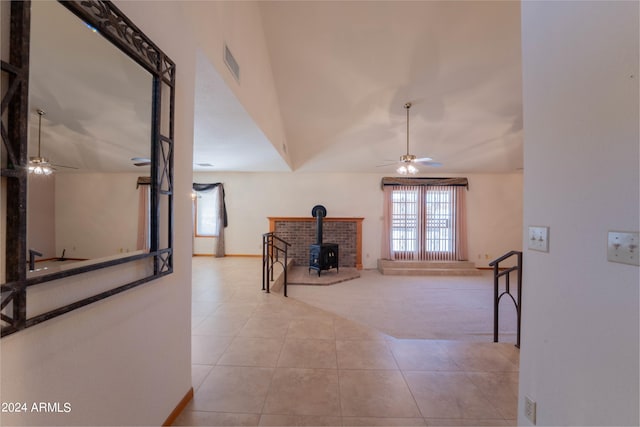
(297, 275)
(427, 268)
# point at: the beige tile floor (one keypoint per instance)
(262, 359)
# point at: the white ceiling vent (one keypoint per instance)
(231, 63)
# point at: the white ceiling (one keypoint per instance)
(97, 100)
(224, 134)
(343, 72)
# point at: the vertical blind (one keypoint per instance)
(425, 222)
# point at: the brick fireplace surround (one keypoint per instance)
(301, 233)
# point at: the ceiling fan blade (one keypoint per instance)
(423, 159)
(389, 163)
(63, 166)
(428, 163)
(141, 161)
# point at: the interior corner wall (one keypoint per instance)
(494, 216)
(494, 208)
(238, 24)
(579, 354)
(125, 360)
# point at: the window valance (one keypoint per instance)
(143, 180)
(455, 182)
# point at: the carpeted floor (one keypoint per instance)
(436, 307)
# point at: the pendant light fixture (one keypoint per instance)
(40, 165)
(407, 167)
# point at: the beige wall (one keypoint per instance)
(96, 214)
(579, 355)
(494, 208)
(125, 360)
(41, 224)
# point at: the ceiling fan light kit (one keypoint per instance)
(39, 165)
(407, 169)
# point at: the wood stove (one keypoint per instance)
(322, 256)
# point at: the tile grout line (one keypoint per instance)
(404, 378)
(335, 346)
(273, 374)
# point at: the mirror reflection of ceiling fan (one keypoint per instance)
(39, 165)
(408, 162)
(141, 161)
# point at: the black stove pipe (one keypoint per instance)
(319, 230)
(319, 212)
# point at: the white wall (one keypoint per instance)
(125, 360)
(41, 224)
(239, 25)
(96, 214)
(494, 204)
(579, 355)
(494, 216)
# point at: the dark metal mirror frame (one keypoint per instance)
(120, 31)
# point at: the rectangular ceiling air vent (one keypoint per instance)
(231, 63)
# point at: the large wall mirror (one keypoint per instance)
(87, 158)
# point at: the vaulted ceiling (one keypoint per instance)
(344, 70)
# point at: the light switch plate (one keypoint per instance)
(622, 247)
(530, 409)
(538, 238)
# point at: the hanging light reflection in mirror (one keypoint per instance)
(40, 165)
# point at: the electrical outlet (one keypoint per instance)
(530, 409)
(538, 239)
(623, 247)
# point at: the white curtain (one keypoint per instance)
(387, 230)
(460, 210)
(220, 223)
(143, 241)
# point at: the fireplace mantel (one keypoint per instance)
(356, 221)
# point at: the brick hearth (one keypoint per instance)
(301, 232)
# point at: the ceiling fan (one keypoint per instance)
(39, 165)
(408, 161)
(141, 161)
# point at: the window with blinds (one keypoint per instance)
(423, 222)
(404, 220)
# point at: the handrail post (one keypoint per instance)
(271, 256)
(285, 271)
(496, 300)
(497, 296)
(519, 308)
(264, 244)
(268, 259)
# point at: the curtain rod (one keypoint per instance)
(454, 182)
